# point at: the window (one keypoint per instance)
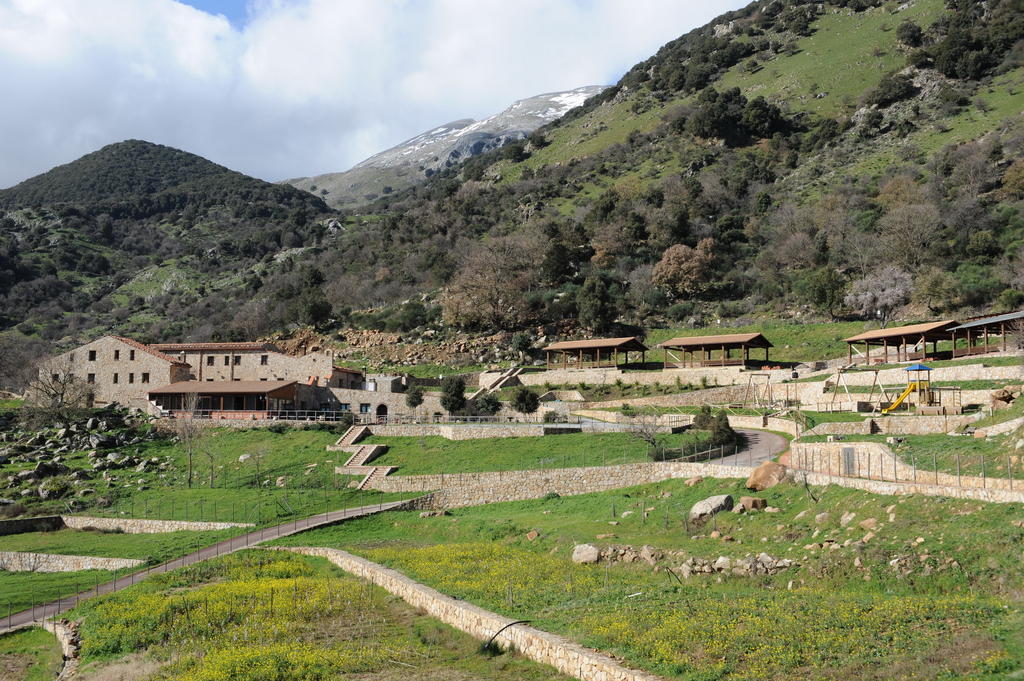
(345, 406)
(117, 355)
(131, 378)
(145, 377)
(364, 408)
(227, 360)
(131, 355)
(263, 360)
(236, 379)
(209, 380)
(263, 379)
(209, 360)
(91, 378)
(238, 359)
(115, 378)
(92, 355)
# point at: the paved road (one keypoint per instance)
(225, 547)
(761, 446)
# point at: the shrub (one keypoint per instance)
(525, 401)
(488, 404)
(453, 394)
(891, 89)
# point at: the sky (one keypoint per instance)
(291, 88)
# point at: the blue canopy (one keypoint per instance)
(918, 367)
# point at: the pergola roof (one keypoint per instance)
(630, 344)
(223, 387)
(732, 340)
(989, 321)
(930, 331)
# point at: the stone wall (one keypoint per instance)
(472, 489)
(695, 398)
(143, 526)
(20, 561)
(732, 375)
(473, 431)
(897, 425)
(875, 461)
(1001, 428)
(564, 655)
(47, 523)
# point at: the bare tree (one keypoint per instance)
(491, 286)
(20, 357)
(905, 230)
(880, 293)
(190, 431)
(56, 395)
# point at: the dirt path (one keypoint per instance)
(761, 446)
(225, 547)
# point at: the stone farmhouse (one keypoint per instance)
(228, 380)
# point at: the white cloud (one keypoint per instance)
(306, 86)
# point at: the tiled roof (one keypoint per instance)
(901, 331)
(146, 348)
(221, 387)
(214, 347)
(754, 339)
(632, 341)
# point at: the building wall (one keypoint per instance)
(129, 364)
(257, 365)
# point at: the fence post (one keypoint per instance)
(957, 470)
(1009, 471)
(983, 484)
(913, 466)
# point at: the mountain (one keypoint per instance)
(416, 159)
(139, 233)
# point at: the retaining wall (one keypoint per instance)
(897, 425)
(48, 523)
(846, 463)
(143, 526)
(474, 432)
(20, 561)
(564, 655)
(472, 489)
(731, 375)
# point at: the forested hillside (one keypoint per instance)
(853, 158)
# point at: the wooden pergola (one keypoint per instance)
(226, 396)
(985, 329)
(699, 351)
(903, 339)
(594, 353)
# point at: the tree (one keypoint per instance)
(684, 271)
(891, 89)
(525, 401)
(936, 289)
(19, 360)
(490, 288)
(880, 293)
(910, 34)
(190, 430)
(56, 395)
(905, 231)
(453, 394)
(824, 289)
(487, 404)
(414, 397)
(596, 303)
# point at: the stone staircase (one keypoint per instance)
(504, 379)
(375, 473)
(364, 454)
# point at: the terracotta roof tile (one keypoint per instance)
(145, 348)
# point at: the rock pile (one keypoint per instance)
(1005, 396)
(43, 455)
(678, 563)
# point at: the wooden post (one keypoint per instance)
(885, 350)
(599, 357)
(867, 353)
(986, 338)
(849, 353)
(725, 355)
(1002, 333)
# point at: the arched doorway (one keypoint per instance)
(382, 413)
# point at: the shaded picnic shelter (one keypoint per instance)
(594, 353)
(220, 398)
(699, 351)
(905, 340)
(980, 332)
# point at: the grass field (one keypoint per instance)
(22, 590)
(433, 454)
(152, 547)
(29, 655)
(934, 594)
(10, 404)
(270, 616)
(793, 342)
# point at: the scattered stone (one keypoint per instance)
(767, 475)
(822, 518)
(772, 509)
(585, 553)
(715, 534)
(870, 524)
(694, 481)
(609, 535)
(868, 537)
(532, 535)
(847, 518)
(752, 503)
(800, 515)
(710, 506)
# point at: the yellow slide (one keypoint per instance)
(911, 387)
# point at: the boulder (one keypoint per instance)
(585, 553)
(532, 535)
(821, 518)
(711, 506)
(767, 475)
(847, 518)
(694, 481)
(753, 503)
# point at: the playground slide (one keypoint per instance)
(911, 387)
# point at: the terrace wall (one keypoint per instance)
(21, 561)
(564, 655)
